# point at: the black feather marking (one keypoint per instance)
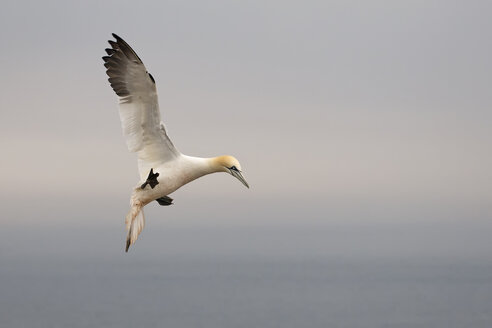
(122, 93)
(113, 44)
(117, 61)
(118, 85)
(165, 201)
(151, 180)
(151, 77)
(120, 55)
(114, 80)
(128, 240)
(127, 50)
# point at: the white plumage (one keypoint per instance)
(146, 135)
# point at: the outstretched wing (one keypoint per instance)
(139, 108)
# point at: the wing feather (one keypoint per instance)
(139, 107)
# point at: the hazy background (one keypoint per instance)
(363, 128)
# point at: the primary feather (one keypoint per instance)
(139, 108)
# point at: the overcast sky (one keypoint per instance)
(370, 108)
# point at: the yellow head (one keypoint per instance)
(230, 165)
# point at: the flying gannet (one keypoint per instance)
(163, 169)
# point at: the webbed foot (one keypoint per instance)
(151, 180)
(165, 201)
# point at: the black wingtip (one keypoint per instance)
(115, 36)
(113, 44)
(127, 245)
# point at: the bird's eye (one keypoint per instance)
(234, 168)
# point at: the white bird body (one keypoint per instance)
(163, 169)
(173, 175)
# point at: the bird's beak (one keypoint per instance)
(240, 177)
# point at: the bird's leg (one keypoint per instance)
(151, 180)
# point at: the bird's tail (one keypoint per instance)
(135, 222)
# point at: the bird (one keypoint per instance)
(162, 167)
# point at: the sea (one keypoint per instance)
(183, 275)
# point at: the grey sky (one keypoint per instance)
(363, 128)
(381, 106)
